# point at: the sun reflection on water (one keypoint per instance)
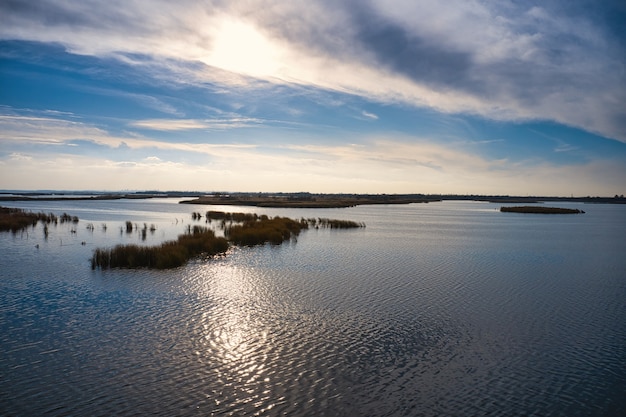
(233, 339)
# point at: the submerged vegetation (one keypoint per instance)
(240, 229)
(540, 210)
(14, 219)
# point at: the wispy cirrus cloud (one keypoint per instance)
(43, 156)
(42, 129)
(192, 124)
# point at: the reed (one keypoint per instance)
(241, 229)
(337, 224)
(170, 254)
(14, 219)
(233, 217)
(275, 231)
(66, 218)
(540, 210)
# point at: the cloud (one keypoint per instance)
(377, 163)
(169, 124)
(46, 130)
(500, 60)
(191, 124)
(369, 115)
(20, 157)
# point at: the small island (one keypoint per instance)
(540, 210)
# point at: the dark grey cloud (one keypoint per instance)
(420, 58)
(55, 13)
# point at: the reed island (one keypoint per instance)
(540, 210)
(240, 229)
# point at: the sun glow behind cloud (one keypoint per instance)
(239, 47)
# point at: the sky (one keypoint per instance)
(491, 97)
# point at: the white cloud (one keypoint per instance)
(369, 115)
(375, 164)
(169, 124)
(20, 157)
(191, 124)
(44, 129)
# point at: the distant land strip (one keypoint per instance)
(540, 210)
(317, 201)
(292, 199)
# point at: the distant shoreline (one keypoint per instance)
(293, 200)
(318, 201)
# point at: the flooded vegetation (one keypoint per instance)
(540, 210)
(171, 254)
(266, 230)
(14, 219)
(253, 217)
(240, 229)
(335, 224)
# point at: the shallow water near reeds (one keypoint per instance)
(448, 308)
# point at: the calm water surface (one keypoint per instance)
(448, 308)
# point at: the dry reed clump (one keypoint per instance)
(15, 219)
(241, 229)
(257, 232)
(234, 217)
(334, 224)
(170, 254)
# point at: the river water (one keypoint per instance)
(445, 308)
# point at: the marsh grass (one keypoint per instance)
(540, 210)
(261, 231)
(66, 218)
(234, 217)
(335, 224)
(169, 254)
(240, 229)
(14, 219)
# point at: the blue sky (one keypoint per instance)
(467, 97)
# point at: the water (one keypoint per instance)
(448, 308)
